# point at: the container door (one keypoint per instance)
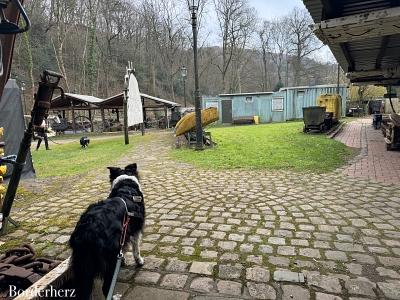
(299, 104)
(226, 111)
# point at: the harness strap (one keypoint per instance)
(125, 225)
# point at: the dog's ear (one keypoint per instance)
(131, 170)
(114, 173)
(131, 167)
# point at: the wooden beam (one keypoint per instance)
(330, 11)
(359, 27)
(347, 55)
(157, 106)
(382, 51)
(376, 81)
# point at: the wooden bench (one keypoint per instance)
(243, 120)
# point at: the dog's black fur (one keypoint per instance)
(95, 241)
(84, 141)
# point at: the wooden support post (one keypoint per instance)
(117, 112)
(144, 117)
(166, 117)
(126, 129)
(73, 118)
(91, 121)
(103, 119)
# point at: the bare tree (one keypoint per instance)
(236, 19)
(64, 13)
(279, 46)
(302, 40)
(265, 38)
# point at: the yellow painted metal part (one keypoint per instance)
(333, 104)
(256, 120)
(3, 170)
(188, 122)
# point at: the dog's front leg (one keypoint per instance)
(135, 239)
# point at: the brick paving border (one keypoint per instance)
(374, 162)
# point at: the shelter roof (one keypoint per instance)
(364, 36)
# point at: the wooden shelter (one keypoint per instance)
(74, 102)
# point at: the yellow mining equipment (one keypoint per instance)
(333, 104)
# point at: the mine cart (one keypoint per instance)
(391, 131)
(314, 118)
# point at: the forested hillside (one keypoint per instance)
(91, 41)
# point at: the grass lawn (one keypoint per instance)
(70, 159)
(271, 146)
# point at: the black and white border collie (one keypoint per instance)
(84, 141)
(95, 242)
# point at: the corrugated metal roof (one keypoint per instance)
(340, 8)
(322, 86)
(170, 103)
(246, 94)
(117, 100)
(85, 98)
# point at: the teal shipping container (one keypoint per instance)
(284, 105)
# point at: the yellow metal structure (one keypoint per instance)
(256, 120)
(333, 104)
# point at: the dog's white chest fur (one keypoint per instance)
(125, 177)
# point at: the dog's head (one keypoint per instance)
(130, 170)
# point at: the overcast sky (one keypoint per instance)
(268, 9)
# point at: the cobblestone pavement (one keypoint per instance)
(239, 234)
(374, 162)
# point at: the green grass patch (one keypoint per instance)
(71, 159)
(272, 146)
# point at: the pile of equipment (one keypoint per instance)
(19, 267)
(323, 116)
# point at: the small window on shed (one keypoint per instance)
(277, 104)
(300, 94)
(249, 99)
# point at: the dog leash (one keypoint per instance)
(120, 256)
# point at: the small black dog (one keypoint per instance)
(95, 241)
(84, 141)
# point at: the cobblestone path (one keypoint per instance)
(239, 234)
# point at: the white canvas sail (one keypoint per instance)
(135, 108)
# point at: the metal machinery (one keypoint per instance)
(10, 10)
(333, 105)
(391, 131)
(375, 109)
(314, 118)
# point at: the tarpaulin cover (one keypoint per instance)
(135, 107)
(12, 119)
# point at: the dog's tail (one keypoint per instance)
(83, 264)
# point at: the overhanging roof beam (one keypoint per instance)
(331, 11)
(359, 27)
(347, 55)
(382, 51)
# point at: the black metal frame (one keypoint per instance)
(48, 83)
